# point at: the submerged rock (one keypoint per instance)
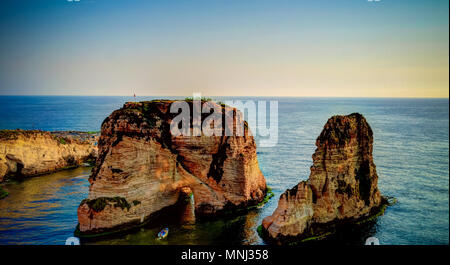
(342, 185)
(29, 153)
(140, 160)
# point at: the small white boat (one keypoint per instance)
(163, 233)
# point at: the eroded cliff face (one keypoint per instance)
(30, 153)
(141, 164)
(342, 184)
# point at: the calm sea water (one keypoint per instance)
(411, 151)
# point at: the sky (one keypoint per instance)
(314, 48)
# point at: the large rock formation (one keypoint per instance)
(342, 185)
(142, 169)
(29, 153)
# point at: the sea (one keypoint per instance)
(411, 153)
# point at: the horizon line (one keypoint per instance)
(83, 95)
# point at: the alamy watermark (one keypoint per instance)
(226, 121)
(372, 241)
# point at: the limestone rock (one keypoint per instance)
(187, 206)
(140, 160)
(342, 184)
(29, 153)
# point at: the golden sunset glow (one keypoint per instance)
(228, 48)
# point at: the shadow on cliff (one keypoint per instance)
(349, 234)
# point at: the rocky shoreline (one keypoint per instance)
(29, 153)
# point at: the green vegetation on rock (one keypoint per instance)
(69, 167)
(100, 203)
(259, 231)
(202, 99)
(313, 238)
(90, 161)
(14, 134)
(386, 201)
(269, 194)
(8, 134)
(3, 193)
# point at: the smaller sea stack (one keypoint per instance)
(342, 186)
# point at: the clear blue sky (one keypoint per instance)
(391, 48)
